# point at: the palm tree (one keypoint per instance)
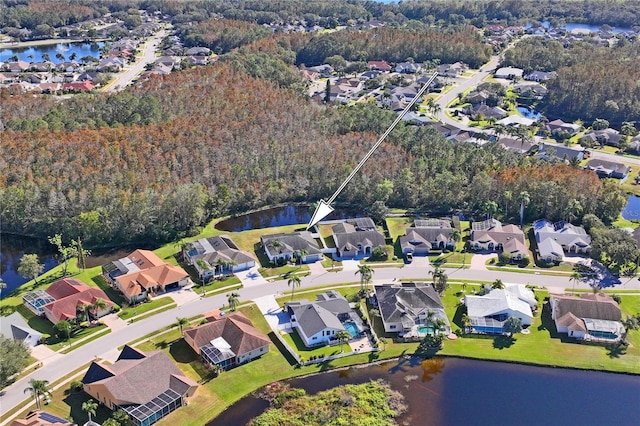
(456, 235)
(343, 337)
(98, 305)
(524, 200)
(181, 322)
(464, 286)
(366, 273)
(383, 340)
(301, 254)
(233, 300)
(38, 388)
(575, 278)
(439, 279)
(293, 282)
(90, 407)
(373, 313)
(497, 284)
(466, 322)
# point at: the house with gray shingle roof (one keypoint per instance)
(284, 247)
(559, 153)
(410, 308)
(426, 235)
(318, 322)
(608, 169)
(217, 255)
(592, 317)
(147, 386)
(354, 241)
(16, 328)
(571, 238)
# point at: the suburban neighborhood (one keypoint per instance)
(178, 327)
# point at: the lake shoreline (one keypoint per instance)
(47, 42)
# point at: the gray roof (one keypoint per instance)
(291, 243)
(431, 223)
(347, 236)
(16, 328)
(517, 146)
(313, 317)
(604, 166)
(397, 301)
(419, 236)
(495, 302)
(221, 248)
(559, 152)
(493, 230)
(563, 232)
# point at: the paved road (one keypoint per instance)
(105, 347)
(123, 79)
(468, 83)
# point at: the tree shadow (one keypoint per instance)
(182, 352)
(161, 345)
(75, 400)
(503, 342)
(616, 350)
(283, 350)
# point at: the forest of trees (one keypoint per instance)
(227, 142)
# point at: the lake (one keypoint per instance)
(35, 53)
(279, 216)
(450, 391)
(632, 209)
(11, 250)
(569, 26)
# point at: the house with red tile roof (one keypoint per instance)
(41, 418)
(84, 86)
(227, 340)
(60, 301)
(148, 386)
(379, 65)
(142, 273)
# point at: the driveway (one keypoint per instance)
(278, 319)
(184, 295)
(350, 265)
(479, 261)
(251, 277)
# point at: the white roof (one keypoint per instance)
(515, 119)
(495, 302)
(220, 344)
(522, 292)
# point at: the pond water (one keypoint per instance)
(632, 209)
(529, 113)
(11, 250)
(279, 216)
(35, 53)
(569, 26)
(450, 391)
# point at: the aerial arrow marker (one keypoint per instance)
(324, 207)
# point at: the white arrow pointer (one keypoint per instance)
(324, 207)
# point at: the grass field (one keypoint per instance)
(141, 308)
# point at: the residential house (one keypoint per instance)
(199, 51)
(634, 144)
(608, 136)
(531, 90)
(555, 239)
(227, 340)
(608, 169)
(482, 111)
(493, 236)
(509, 73)
(379, 66)
(356, 238)
(217, 255)
(17, 67)
(540, 76)
(84, 86)
(451, 70)
(426, 235)
(559, 153)
(408, 68)
(410, 309)
(515, 121)
(143, 273)
(446, 130)
(517, 146)
(16, 328)
(318, 322)
(41, 418)
(592, 317)
(147, 386)
(558, 126)
(285, 247)
(198, 60)
(478, 97)
(61, 299)
(489, 312)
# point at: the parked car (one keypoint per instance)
(408, 258)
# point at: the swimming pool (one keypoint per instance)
(352, 328)
(425, 330)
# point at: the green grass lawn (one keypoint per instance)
(398, 225)
(55, 343)
(141, 308)
(283, 272)
(294, 340)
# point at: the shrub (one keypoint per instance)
(116, 308)
(617, 298)
(76, 386)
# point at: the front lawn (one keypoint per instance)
(141, 308)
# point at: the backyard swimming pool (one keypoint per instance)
(352, 328)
